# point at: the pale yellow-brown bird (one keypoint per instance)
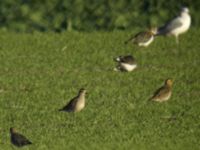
(77, 103)
(164, 93)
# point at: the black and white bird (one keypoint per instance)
(125, 63)
(144, 38)
(18, 139)
(77, 103)
(176, 26)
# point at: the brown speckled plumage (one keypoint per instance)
(163, 93)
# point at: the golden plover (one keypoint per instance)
(164, 93)
(77, 103)
(143, 38)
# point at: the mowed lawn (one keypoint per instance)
(41, 72)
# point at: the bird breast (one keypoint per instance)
(167, 96)
(164, 98)
(80, 104)
(186, 21)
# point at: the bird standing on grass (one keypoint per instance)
(125, 63)
(77, 103)
(176, 26)
(18, 139)
(164, 93)
(143, 38)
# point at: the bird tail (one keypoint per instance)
(65, 110)
(60, 109)
(127, 41)
(161, 31)
(150, 99)
(29, 142)
(158, 34)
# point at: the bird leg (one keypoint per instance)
(177, 40)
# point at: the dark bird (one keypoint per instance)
(77, 103)
(18, 139)
(164, 93)
(125, 63)
(143, 38)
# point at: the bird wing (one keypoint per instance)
(160, 92)
(130, 39)
(171, 25)
(20, 139)
(128, 59)
(142, 37)
(69, 107)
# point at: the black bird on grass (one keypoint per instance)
(18, 139)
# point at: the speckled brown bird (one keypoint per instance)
(77, 103)
(18, 139)
(143, 38)
(125, 63)
(164, 93)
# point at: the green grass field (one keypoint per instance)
(40, 73)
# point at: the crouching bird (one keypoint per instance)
(125, 63)
(77, 103)
(144, 38)
(164, 93)
(18, 139)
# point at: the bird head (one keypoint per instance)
(82, 91)
(117, 59)
(184, 10)
(153, 30)
(169, 82)
(12, 130)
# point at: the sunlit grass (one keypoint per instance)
(39, 73)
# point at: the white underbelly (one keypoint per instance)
(128, 67)
(147, 43)
(80, 105)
